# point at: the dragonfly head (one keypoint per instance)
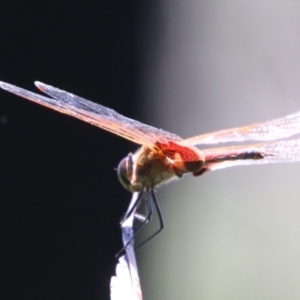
(125, 171)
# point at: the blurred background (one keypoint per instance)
(189, 68)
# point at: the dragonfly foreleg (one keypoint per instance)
(160, 219)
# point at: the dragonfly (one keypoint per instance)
(164, 156)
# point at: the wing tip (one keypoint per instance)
(7, 86)
(40, 85)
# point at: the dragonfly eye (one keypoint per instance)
(125, 169)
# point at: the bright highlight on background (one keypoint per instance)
(205, 66)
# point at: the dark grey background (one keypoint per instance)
(60, 199)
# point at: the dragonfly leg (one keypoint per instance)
(134, 206)
(160, 218)
(146, 219)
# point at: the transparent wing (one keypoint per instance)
(272, 152)
(94, 114)
(266, 131)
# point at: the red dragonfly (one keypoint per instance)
(164, 156)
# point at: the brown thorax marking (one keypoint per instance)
(161, 163)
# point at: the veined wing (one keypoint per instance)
(263, 153)
(265, 131)
(94, 114)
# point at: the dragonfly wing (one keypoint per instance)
(264, 153)
(94, 114)
(266, 131)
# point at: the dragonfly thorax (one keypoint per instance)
(149, 167)
(144, 169)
